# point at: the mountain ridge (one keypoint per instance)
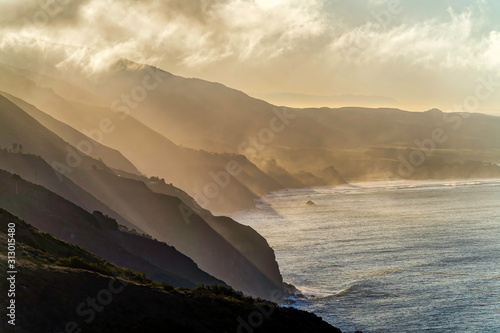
(49, 268)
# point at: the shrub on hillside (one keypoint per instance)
(80, 263)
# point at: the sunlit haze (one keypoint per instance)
(241, 166)
(412, 54)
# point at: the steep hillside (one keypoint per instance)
(17, 127)
(250, 243)
(298, 147)
(157, 214)
(286, 147)
(195, 171)
(182, 107)
(72, 92)
(111, 157)
(54, 278)
(34, 169)
(221, 246)
(97, 233)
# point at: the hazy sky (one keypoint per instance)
(421, 53)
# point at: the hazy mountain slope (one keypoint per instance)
(183, 107)
(312, 100)
(16, 126)
(384, 127)
(225, 249)
(336, 138)
(97, 233)
(111, 157)
(250, 243)
(61, 87)
(36, 170)
(149, 211)
(151, 152)
(187, 110)
(48, 295)
(211, 116)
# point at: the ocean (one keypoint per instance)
(391, 256)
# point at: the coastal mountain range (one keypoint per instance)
(133, 167)
(54, 272)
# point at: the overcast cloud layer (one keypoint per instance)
(423, 54)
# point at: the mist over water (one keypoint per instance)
(398, 256)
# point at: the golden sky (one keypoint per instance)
(411, 54)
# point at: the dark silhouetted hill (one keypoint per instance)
(97, 233)
(55, 278)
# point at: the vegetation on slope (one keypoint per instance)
(63, 288)
(98, 233)
(154, 213)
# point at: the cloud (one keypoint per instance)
(39, 14)
(276, 45)
(201, 32)
(429, 44)
(192, 33)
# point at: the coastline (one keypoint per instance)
(286, 210)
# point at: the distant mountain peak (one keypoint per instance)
(127, 65)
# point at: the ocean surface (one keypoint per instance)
(395, 256)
